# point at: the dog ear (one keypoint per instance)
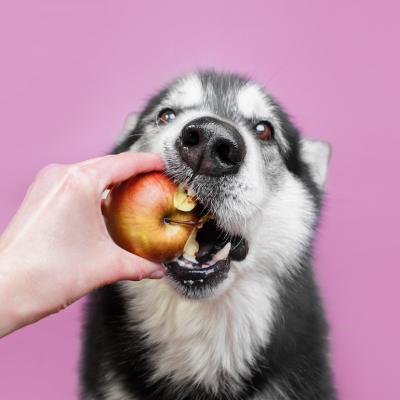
(316, 154)
(129, 125)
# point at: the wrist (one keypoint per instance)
(15, 308)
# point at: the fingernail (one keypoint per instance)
(157, 274)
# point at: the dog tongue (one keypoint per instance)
(203, 255)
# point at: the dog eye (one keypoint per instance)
(264, 130)
(166, 116)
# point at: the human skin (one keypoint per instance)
(56, 249)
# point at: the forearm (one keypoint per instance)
(27, 293)
(14, 307)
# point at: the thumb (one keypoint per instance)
(135, 268)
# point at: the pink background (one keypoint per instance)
(71, 70)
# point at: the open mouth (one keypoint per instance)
(211, 262)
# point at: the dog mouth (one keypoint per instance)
(210, 264)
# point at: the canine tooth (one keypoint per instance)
(223, 253)
(191, 246)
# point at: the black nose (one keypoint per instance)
(211, 147)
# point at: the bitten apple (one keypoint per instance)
(150, 216)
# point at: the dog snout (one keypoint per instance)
(211, 147)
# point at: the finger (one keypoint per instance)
(118, 167)
(132, 267)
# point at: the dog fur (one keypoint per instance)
(261, 332)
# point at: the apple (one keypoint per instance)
(151, 217)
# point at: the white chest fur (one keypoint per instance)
(197, 340)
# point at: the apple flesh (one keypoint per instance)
(149, 215)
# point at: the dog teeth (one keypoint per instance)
(191, 246)
(190, 258)
(222, 254)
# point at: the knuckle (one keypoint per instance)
(69, 178)
(81, 174)
(50, 171)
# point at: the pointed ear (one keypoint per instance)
(316, 154)
(129, 125)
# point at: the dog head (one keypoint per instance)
(231, 143)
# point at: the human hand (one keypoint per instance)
(57, 248)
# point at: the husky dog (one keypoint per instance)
(242, 320)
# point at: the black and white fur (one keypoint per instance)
(261, 333)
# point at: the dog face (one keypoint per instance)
(231, 143)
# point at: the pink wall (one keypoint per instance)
(71, 70)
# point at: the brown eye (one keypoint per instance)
(264, 130)
(166, 116)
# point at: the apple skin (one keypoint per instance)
(135, 212)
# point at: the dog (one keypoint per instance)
(242, 320)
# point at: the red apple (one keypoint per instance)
(142, 217)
